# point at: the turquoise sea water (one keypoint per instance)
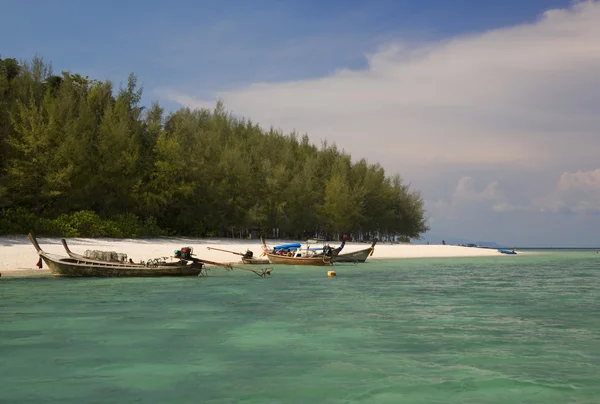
(510, 329)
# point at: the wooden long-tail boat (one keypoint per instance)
(77, 265)
(295, 256)
(183, 253)
(153, 262)
(356, 256)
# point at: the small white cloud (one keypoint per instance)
(575, 193)
(467, 195)
(466, 191)
(581, 180)
(439, 210)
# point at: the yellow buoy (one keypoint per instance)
(331, 273)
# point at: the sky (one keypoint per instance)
(490, 109)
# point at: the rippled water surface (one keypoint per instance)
(511, 329)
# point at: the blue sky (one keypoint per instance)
(222, 44)
(496, 99)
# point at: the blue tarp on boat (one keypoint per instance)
(287, 247)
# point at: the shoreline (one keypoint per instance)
(18, 255)
(26, 273)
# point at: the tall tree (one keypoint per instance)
(29, 177)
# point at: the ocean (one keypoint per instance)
(508, 329)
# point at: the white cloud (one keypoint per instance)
(466, 191)
(567, 216)
(577, 193)
(574, 193)
(439, 210)
(581, 180)
(523, 96)
(467, 197)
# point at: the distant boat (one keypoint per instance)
(504, 251)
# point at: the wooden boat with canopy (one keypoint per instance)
(249, 258)
(294, 254)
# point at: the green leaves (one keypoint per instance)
(32, 140)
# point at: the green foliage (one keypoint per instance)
(83, 223)
(78, 159)
(17, 220)
(9, 68)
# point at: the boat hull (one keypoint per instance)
(356, 256)
(68, 267)
(74, 267)
(313, 261)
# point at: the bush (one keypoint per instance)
(17, 221)
(84, 223)
(150, 228)
(128, 225)
(79, 224)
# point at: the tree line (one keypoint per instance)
(79, 157)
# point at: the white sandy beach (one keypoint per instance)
(17, 253)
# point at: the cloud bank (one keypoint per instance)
(522, 99)
(576, 193)
(518, 95)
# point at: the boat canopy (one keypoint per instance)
(287, 247)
